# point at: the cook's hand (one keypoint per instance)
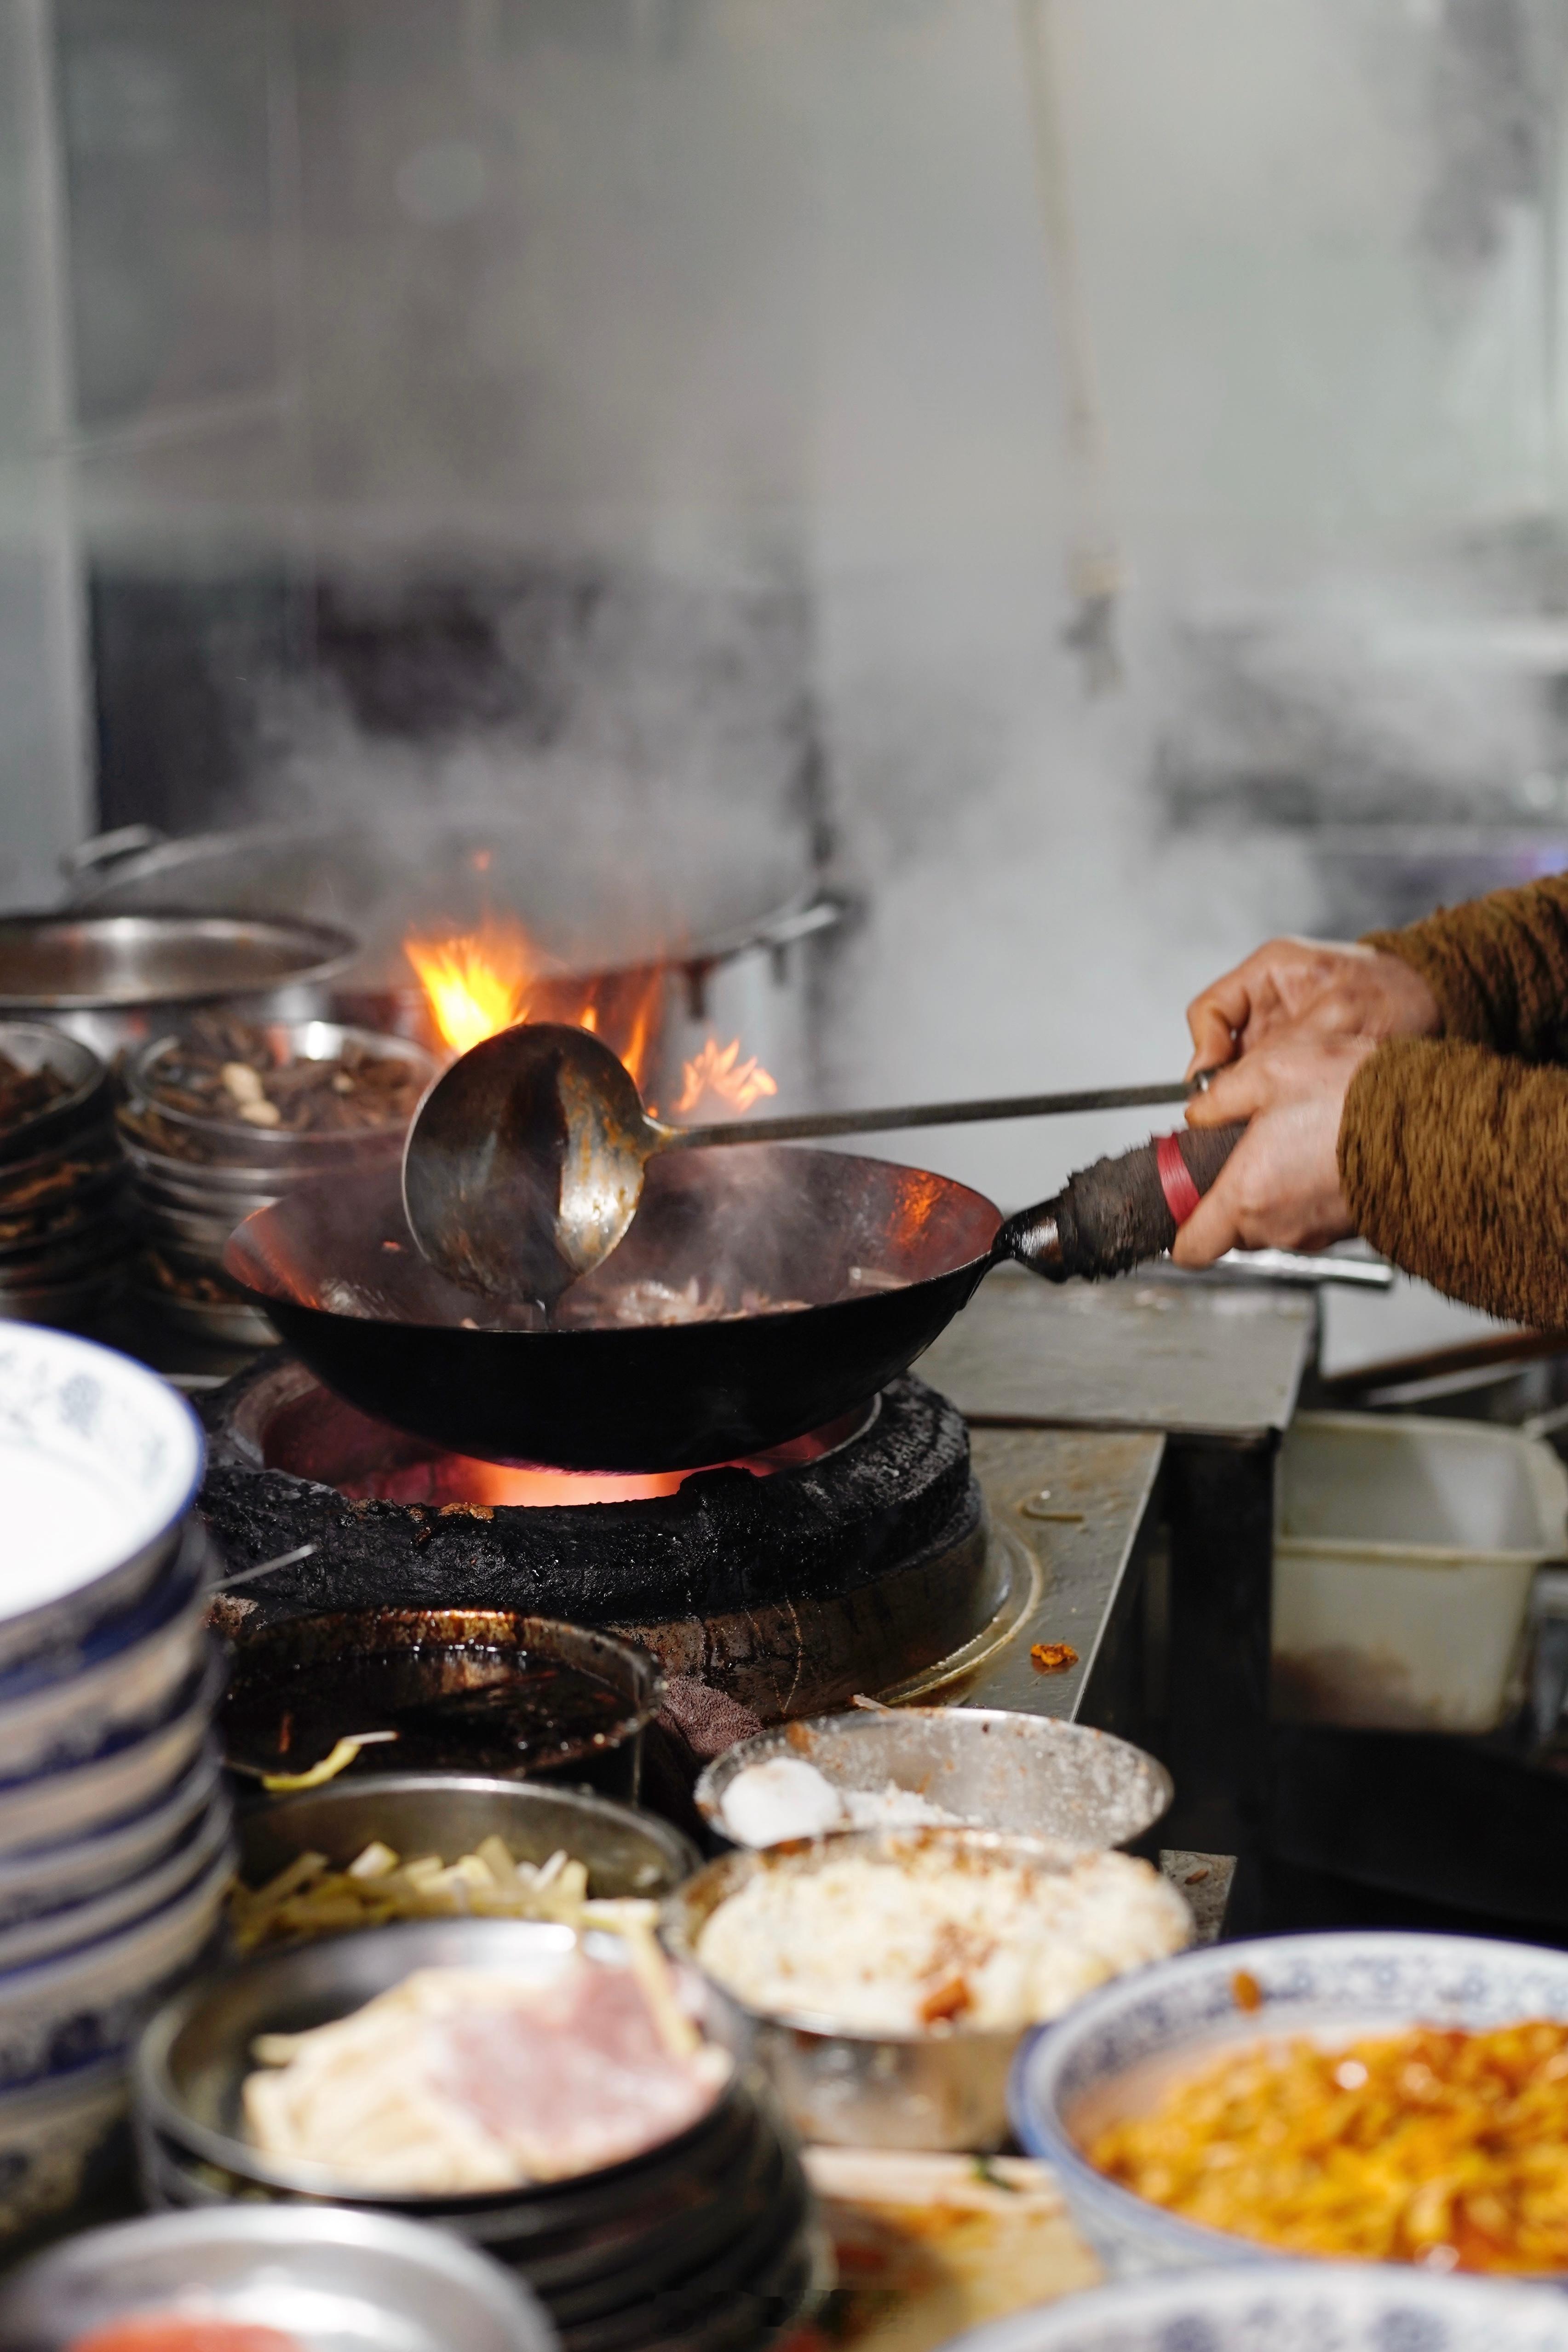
(1280, 1189)
(1319, 987)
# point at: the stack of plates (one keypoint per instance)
(707, 2240)
(115, 1838)
(62, 1244)
(193, 1179)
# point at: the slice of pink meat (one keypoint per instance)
(576, 2069)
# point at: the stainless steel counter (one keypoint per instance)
(1202, 1358)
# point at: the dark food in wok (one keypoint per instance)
(861, 1264)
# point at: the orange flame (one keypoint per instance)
(476, 984)
(720, 1071)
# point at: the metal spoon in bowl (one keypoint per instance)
(524, 1166)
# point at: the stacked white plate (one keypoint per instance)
(115, 1839)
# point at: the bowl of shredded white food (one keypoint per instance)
(884, 1978)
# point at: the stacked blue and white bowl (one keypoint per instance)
(115, 1835)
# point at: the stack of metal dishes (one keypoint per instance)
(115, 1836)
(203, 1157)
(62, 1243)
(707, 2240)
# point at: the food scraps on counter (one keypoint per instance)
(464, 2079)
(1432, 2146)
(934, 1933)
(787, 1797)
(1053, 1657)
(927, 2247)
(307, 1897)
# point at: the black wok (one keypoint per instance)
(334, 1268)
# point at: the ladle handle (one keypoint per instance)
(1119, 1213)
(814, 1125)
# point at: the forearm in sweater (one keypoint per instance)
(1454, 1162)
(1497, 968)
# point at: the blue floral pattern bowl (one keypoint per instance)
(56, 1876)
(75, 2008)
(128, 1677)
(1349, 1983)
(120, 1784)
(99, 1463)
(1290, 2307)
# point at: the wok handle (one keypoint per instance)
(806, 1125)
(1119, 1213)
(106, 849)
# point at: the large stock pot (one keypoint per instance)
(723, 943)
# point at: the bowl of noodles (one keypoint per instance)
(1353, 2096)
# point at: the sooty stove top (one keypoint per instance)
(894, 1554)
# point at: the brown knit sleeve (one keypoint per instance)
(1497, 968)
(1455, 1164)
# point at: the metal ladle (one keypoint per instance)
(524, 1167)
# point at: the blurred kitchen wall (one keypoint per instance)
(356, 336)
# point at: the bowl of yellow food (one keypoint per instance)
(1359, 2096)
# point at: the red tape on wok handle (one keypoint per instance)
(1182, 1195)
(1122, 1211)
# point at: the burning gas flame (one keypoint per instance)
(478, 983)
(720, 1071)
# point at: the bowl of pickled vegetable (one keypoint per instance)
(1357, 2097)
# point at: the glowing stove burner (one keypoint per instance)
(317, 1435)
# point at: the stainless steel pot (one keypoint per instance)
(113, 977)
(725, 936)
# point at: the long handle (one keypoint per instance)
(106, 849)
(1119, 1213)
(818, 1123)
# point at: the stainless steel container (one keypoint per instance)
(192, 1179)
(112, 978)
(707, 2237)
(989, 1769)
(358, 2281)
(626, 1852)
(943, 2089)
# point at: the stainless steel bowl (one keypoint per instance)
(705, 2239)
(399, 1656)
(277, 1149)
(993, 1769)
(627, 1853)
(945, 2089)
(70, 963)
(34, 1045)
(358, 2282)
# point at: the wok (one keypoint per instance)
(334, 1268)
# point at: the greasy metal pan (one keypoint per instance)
(335, 1269)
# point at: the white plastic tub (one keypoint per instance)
(1403, 1552)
